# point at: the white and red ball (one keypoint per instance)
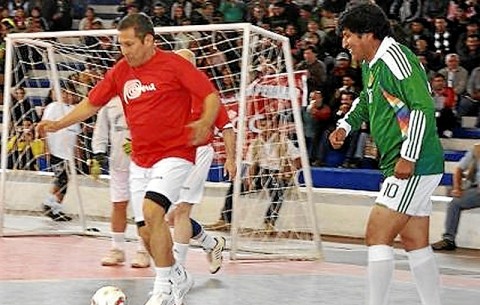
(109, 295)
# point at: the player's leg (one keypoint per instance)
(53, 203)
(415, 238)
(275, 190)
(185, 227)
(163, 188)
(398, 201)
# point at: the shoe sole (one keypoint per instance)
(139, 266)
(112, 264)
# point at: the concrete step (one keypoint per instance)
(469, 121)
(458, 144)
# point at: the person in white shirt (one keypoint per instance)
(111, 128)
(60, 148)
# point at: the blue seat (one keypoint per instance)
(466, 133)
(453, 155)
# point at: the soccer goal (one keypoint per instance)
(273, 214)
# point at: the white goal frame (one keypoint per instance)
(35, 38)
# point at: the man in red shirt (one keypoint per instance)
(159, 91)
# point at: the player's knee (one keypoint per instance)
(182, 210)
(159, 199)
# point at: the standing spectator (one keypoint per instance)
(434, 61)
(456, 75)
(258, 16)
(61, 145)
(317, 71)
(464, 197)
(321, 116)
(395, 91)
(471, 29)
(277, 16)
(143, 88)
(417, 29)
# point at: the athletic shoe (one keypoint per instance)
(141, 260)
(181, 288)
(58, 216)
(220, 225)
(215, 256)
(114, 257)
(444, 244)
(161, 299)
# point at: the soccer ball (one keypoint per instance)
(109, 295)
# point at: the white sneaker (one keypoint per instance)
(114, 257)
(161, 299)
(215, 257)
(141, 260)
(182, 287)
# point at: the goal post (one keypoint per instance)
(253, 71)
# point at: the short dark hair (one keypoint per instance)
(365, 18)
(140, 22)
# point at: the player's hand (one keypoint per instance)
(200, 132)
(337, 137)
(230, 169)
(127, 146)
(404, 169)
(46, 126)
(95, 169)
(457, 193)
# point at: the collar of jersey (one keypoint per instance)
(384, 46)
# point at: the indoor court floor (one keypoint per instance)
(65, 270)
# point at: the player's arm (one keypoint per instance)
(229, 141)
(352, 121)
(101, 132)
(81, 112)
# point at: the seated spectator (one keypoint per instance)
(466, 197)
(86, 23)
(443, 38)
(19, 147)
(469, 105)
(433, 60)
(186, 9)
(416, 29)
(233, 10)
(445, 100)
(20, 19)
(456, 75)
(470, 56)
(36, 23)
(204, 14)
(471, 29)
(160, 16)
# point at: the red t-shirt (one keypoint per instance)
(221, 122)
(158, 99)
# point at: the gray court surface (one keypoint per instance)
(338, 280)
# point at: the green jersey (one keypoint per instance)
(396, 101)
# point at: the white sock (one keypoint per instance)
(425, 272)
(180, 252)
(162, 282)
(118, 240)
(206, 241)
(380, 273)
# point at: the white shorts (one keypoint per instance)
(194, 186)
(409, 196)
(164, 177)
(119, 190)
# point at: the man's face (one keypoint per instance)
(438, 83)
(356, 44)
(133, 48)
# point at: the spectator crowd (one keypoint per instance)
(443, 33)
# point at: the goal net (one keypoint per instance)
(272, 215)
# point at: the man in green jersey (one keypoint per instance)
(396, 101)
